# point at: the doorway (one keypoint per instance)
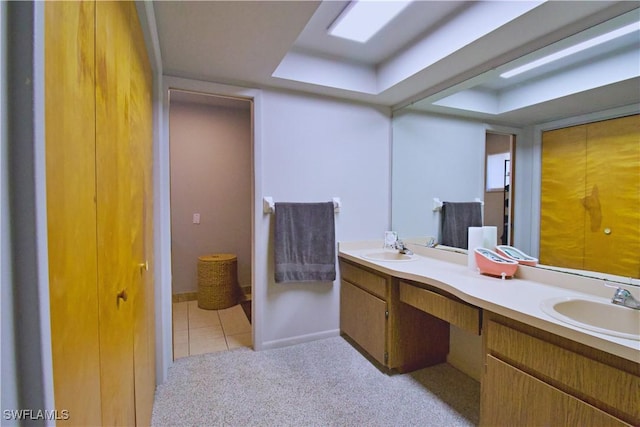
(211, 172)
(499, 185)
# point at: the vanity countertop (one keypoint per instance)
(518, 298)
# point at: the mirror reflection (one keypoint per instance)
(553, 153)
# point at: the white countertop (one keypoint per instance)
(516, 298)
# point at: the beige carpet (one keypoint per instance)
(322, 383)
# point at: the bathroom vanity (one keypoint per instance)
(536, 370)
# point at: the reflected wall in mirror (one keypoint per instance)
(439, 148)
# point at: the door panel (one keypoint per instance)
(118, 271)
(142, 222)
(71, 209)
(612, 233)
(362, 317)
(562, 216)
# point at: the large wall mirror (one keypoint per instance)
(440, 147)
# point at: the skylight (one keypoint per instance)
(573, 49)
(361, 20)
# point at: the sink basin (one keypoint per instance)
(598, 315)
(388, 256)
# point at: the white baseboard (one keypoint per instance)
(285, 342)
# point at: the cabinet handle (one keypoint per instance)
(144, 266)
(122, 295)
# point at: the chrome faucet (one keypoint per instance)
(400, 246)
(624, 298)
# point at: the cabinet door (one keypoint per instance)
(71, 208)
(118, 270)
(511, 397)
(362, 317)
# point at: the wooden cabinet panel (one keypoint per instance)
(462, 315)
(415, 339)
(514, 398)
(368, 281)
(71, 209)
(362, 317)
(397, 335)
(605, 382)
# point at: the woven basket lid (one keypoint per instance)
(217, 257)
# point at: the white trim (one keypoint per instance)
(260, 226)
(520, 205)
(285, 342)
(40, 182)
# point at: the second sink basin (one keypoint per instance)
(387, 256)
(598, 315)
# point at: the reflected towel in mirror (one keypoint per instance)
(457, 217)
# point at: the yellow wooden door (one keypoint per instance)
(590, 193)
(118, 272)
(71, 208)
(141, 154)
(562, 216)
(612, 197)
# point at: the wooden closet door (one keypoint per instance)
(562, 216)
(612, 232)
(118, 270)
(141, 155)
(71, 209)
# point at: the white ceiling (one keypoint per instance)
(442, 51)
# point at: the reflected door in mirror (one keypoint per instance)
(590, 193)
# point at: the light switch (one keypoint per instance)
(196, 218)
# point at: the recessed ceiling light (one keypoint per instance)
(360, 20)
(573, 49)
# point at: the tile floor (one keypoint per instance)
(198, 331)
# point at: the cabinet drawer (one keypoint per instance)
(363, 318)
(462, 315)
(604, 386)
(502, 404)
(368, 281)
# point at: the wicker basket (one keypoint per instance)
(217, 281)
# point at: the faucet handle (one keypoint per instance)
(621, 294)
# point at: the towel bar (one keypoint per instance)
(437, 203)
(269, 206)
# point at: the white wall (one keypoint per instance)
(315, 149)
(306, 148)
(433, 157)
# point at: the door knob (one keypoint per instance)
(122, 295)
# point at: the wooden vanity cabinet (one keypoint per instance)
(534, 377)
(396, 335)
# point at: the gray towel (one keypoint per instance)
(305, 248)
(456, 220)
